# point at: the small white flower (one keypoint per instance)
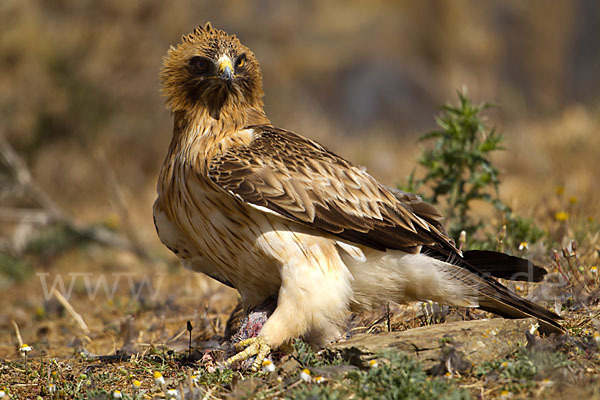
(594, 269)
(305, 375)
(2, 394)
(463, 237)
(24, 349)
(373, 364)
(523, 246)
(172, 394)
(136, 385)
(51, 388)
(117, 394)
(194, 379)
(596, 337)
(533, 328)
(319, 379)
(267, 365)
(158, 378)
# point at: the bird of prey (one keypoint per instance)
(276, 215)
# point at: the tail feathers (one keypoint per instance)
(500, 265)
(523, 308)
(494, 297)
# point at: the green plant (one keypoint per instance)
(397, 376)
(522, 370)
(306, 356)
(12, 269)
(459, 171)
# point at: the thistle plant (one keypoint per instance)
(459, 170)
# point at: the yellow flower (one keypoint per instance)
(523, 246)
(546, 382)
(505, 394)
(594, 269)
(373, 364)
(112, 221)
(158, 378)
(572, 200)
(560, 190)
(561, 216)
(136, 385)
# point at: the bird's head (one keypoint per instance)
(210, 70)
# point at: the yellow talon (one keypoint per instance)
(256, 346)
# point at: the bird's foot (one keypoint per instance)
(254, 346)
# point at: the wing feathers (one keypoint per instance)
(300, 180)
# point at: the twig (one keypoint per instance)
(71, 311)
(23, 176)
(177, 336)
(26, 215)
(53, 212)
(560, 270)
(190, 328)
(17, 333)
(388, 316)
(208, 394)
(117, 195)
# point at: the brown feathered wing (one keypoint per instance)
(300, 180)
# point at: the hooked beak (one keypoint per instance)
(226, 71)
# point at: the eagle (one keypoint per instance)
(276, 215)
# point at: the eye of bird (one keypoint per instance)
(200, 65)
(241, 61)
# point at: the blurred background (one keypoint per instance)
(80, 105)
